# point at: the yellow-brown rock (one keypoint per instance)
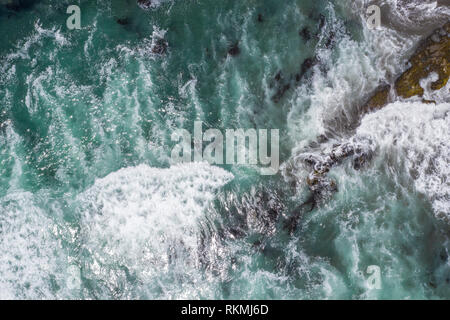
(431, 56)
(378, 100)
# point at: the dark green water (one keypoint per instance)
(91, 207)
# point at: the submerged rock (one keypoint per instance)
(284, 86)
(234, 49)
(18, 5)
(260, 18)
(160, 46)
(306, 65)
(123, 21)
(280, 92)
(278, 76)
(330, 42)
(305, 34)
(322, 21)
(255, 214)
(292, 222)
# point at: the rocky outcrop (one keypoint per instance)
(378, 100)
(432, 55)
(234, 49)
(160, 46)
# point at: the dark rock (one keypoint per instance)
(322, 21)
(443, 255)
(123, 21)
(319, 184)
(305, 34)
(280, 93)
(253, 214)
(260, 17)
(236, 233)
(322, 138)
(360, 161)
(160, 47)
(13, 7)
(234, 49)
(330, 40)
(306, 65)
(19, 5)
(258, 245)
(278, 76)
(292, 223)
(378, 100)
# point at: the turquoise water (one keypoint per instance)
(91, 207)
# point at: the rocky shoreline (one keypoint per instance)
(431, 56)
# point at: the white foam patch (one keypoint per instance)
(143, 221)
(420, 135)
(151, 4)
(439, 96)
(28, 250)
(32, 263)
(22, 48)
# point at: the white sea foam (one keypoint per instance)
(151, 4)
(22, 48)
(145, 220)
(419, 135)
(33, 264)
(29, 250)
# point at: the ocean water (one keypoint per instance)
(92, 208)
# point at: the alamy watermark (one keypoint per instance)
(374, 279)
(374, 17)
(242, 146)
(74, 20)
